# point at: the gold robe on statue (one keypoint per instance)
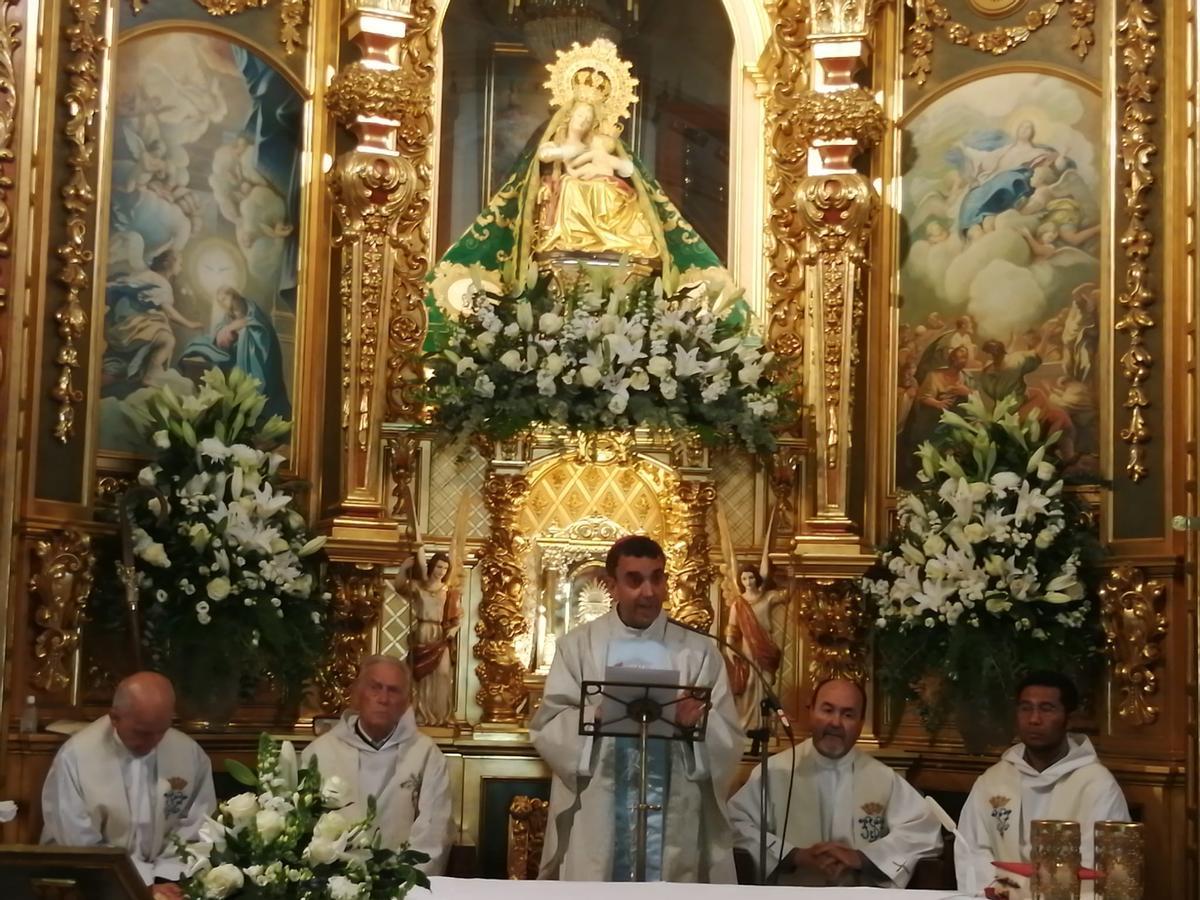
(596, 215)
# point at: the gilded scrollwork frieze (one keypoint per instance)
(832, 613)
(291, 16)
(10, 42)
(1132, 614)
(358, 591)
(787, 77)
(851, 114)
(82, 100)
(929, 17)
(62, 583)
(501, 617)
(1137, 40)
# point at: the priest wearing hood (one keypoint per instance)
(130, 780)
(853, 820)
(592, 815)
(378, 752)
(1050, 774)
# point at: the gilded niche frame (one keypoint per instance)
(270, 44)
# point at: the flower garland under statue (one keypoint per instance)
(986, 575)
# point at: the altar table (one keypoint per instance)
(495, 889)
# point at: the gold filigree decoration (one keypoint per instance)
(62, 582)
(691, 574)
(837, 211)
(833, 614)
(357, 590)
(1138, 42)
(501, 619)
(9, 44)
(1131, 611)
(362, 90)
(82, 100)
(787, 75)
(850, 114)
(291, 15)
(369, 191)
(930, 16)
(527, 817)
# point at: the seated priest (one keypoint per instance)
(853, 820)
(1050, 774)
(378, 752)
(131, 780)
(590, 835)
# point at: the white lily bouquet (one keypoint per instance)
(228, 574)
(610, 352)
(984, 577)
(288, 839)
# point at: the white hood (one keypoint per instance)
(404, 731)
(1080, 753)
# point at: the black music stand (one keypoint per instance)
(644, 704)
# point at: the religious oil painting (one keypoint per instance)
(201, 266)
(1000, 282)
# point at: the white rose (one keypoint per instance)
(162, 440)
(146, 476)
(550, 323)
(342, 888)
(241, 809)
(974, 532)
(222, 881)
(269, 824)
(553, 364)
(321, 851)
(331, 826)
(934, 545)
(335, 792)
(511, 360)
(218, 588)
(659, 366)
(639, 380)
(155, 554)
(618, 402)
(669, 388)
(589, 376)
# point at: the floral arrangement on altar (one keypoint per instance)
(227, 572)
(287, 839)
(986, 575)
(611, 351)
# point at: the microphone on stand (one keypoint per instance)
(770, 705)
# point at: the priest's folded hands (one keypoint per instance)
(827, 858)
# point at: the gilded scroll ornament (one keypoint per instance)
(9, 44)
(851, 114)
(82, 101)
(403, 454)
(1138, 43)
(61, 582)
(362, 90)
(291, 15)
(787, 76)
(501, 619)
(832, 613)
(357, 600)
(1131, 611)
(830, 18)
(691, 574)
(527, 817)
(930, 16)
(785, 483)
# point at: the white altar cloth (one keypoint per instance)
(495, 889)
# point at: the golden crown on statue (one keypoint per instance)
(596, 75)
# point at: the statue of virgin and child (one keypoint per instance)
(578, 196)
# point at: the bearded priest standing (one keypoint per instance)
(592, 816)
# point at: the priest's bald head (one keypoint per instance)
(142, 709)
(637, 578)
(381, 695)
(835, 716)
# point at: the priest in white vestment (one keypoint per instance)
(853, 820)
(592, 819)
(378, 752)
(130, 780)
(1050, 774)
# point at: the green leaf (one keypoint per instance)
(241, 773)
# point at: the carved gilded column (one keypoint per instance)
(501, 674)
(61, 582)
(692, 577)
(381, 200)
(357, 600)
(1132, 613)
(833, 615)
(836, 205)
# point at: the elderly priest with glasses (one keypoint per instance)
(591, 826)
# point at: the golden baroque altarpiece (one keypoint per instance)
(821, 97)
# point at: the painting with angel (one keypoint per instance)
(1000, 283)
(201, 266)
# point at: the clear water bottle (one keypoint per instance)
(29, 717)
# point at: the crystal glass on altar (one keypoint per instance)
(1054, 852)
(1120, 860)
